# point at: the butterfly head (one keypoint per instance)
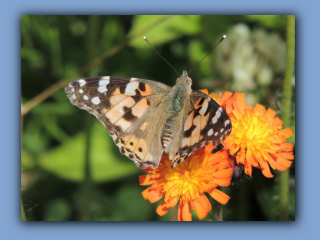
(184, 78)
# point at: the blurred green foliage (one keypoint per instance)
(55, 139)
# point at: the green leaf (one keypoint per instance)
(106, 163)
(165, 31)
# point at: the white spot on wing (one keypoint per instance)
(80, 91)
(85, 97)
(131, 88)
(104, 82)
(210, 132)
(214, 119)
(221, 130)
(102, 89)
(216, 134)
(74, 96)
(226, 122)
(82, 82)
(133, 79)
(218, 113)
(95, 100)
(107, 78)
(72, 89)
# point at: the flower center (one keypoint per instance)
(254, 131)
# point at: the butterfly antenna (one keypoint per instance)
(160, 55)
(223, 37)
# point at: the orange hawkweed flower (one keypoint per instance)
(186, 183)
(222, 99)
(257, 138)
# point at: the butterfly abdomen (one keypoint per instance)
(167, 133)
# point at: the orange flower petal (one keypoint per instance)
(248, 169)
(277, 121)
(149, 170)
(284, 162)
(202, 206)
(219, 196)
(226, 96)
(184, 212)
(265, 169)
(205, 91)
(223, 182)
(240, 101)
(147, 179)
(270, 114)
(162, 209)
(260, 108)
(223, 173)
(287, 155)
(286, 132)
(151, 195)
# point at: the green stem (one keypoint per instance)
(23, 215)
(286, 104)
(216, 208)
(217, 211)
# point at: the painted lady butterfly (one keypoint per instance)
(147, 118)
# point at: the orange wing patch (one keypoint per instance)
(140, 108)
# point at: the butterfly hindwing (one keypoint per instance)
(144, 146)
(205, 123)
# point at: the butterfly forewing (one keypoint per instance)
(117, 102)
